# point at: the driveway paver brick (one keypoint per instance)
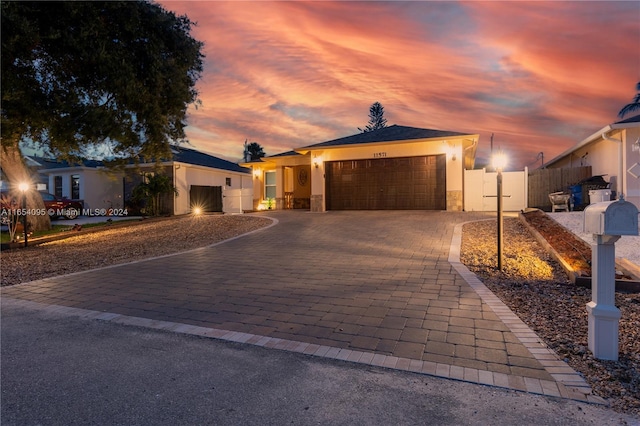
(376, 286)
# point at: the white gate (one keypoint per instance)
(480, 191)
(237, 200)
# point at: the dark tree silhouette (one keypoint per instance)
(82, 75)
(633, 106)
(255, 151)
(376, 118)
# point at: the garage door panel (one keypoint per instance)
(388, 183)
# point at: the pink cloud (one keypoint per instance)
(541, 76)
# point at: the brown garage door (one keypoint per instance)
(208, 198)
(408, 183)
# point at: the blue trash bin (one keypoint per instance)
(576, 193)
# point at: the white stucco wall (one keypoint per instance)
(632, 184)
(101, 190)
(98, 189)
(186, 175)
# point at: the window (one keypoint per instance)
(75, 187)
(57, 186)
(228, 181)
(270, 185)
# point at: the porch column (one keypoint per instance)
(280, 176)
(317, 185)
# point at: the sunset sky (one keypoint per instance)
(541, 76)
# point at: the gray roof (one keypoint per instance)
(48, 163)
(285, 154)
(180, 154)
(197, 158)
(388, 134)
(634, 119)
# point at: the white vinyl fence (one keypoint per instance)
(480, 191)
(237, 200)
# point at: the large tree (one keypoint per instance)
(376, 118)
(633, 106)
(81, 75)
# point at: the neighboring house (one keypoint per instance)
(396, 167)
(34, 164)
(201, 179)
(86, 182)
(613, 152)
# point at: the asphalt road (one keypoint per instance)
(64, 370)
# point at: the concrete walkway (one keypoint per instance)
(378, 288)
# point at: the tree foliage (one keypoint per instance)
(633, 106)
(255, 151)
(376, 118)
(77, 76)
(151, 190)
(80, 74)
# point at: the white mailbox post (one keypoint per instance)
(607, 221)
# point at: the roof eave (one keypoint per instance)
(617, 126)
(66, 169)
(586, 141)
(306, 149)
(593, 138)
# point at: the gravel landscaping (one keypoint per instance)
(141, 240)
(536, 288)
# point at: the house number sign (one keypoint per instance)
(379, 154)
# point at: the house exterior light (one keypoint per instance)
(450, 149)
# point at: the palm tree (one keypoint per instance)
(255, 151)
(633, 106)
(151, 190)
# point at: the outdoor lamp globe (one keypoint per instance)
(499, 161)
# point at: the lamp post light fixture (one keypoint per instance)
(24, 187)
(499, 162)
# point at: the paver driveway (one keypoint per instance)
(378, 283)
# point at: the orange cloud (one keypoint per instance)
(541, 75)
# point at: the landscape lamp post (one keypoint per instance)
(499, 162)
(24, 187)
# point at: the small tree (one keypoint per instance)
(255, 151)
(376, 118)
(633, 106)
(151, 190)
